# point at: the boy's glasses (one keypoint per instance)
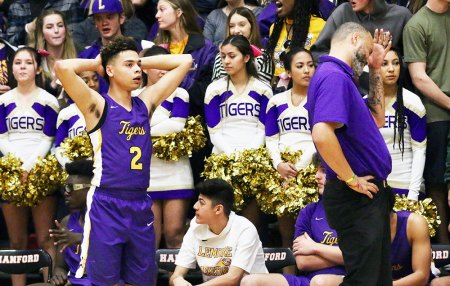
(68, 188)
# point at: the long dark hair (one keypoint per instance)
(301, 13)
(287, 56)
(244, 47)
(399, 123)
(37, 58)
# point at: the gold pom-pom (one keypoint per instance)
(45, 177)
(77, 147)
(10, 174)
(426, 208)
(249, 172)
(288, 197)
(252, 175)
(291, 157)
(179, 144)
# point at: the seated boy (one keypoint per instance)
(226, 246)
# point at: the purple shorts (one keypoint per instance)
(293, 280)
(119, 238)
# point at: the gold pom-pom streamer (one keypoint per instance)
(249, 172)
(179, 144)
(45, 177)
(77, 147)
(291, 157)
(288, 197)
(426, 208)
(10, 173)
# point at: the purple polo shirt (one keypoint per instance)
(334, 97)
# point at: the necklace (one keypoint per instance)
(301, 97)
(287, 42)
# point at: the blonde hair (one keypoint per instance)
(39, 41)
(187, 20)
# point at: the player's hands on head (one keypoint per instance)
(382, 42)
(363, 186)
(63, 237)
(98, 62)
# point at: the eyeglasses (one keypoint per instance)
(68, 188)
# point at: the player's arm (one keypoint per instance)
(177, 278)
(312, 256)
(382, 44)
(331, 151)
(60, 273)
(90, 102)
(427, 86)
(177, 67)
(232, 277)
(417, 231)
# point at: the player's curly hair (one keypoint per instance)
(112, 49)
(81, 167)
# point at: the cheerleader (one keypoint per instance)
(242, 21)
(170, 194)
(404, 131)
(287, 126)
(27, 129)
(235, 106)
(71, 122)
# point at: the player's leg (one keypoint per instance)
(103, 239)
(326, 280)
(274, 279)
(286, 227)
(43, 218)
(157, 225)
(174, 221)
(16, 219)
(139, 257)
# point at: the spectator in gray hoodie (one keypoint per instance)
(371, 14)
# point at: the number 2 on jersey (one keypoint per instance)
(135, 164)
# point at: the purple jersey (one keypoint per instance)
(72, 253)
(401, 250)
(122, 147)
(334, 97)
(313, 221)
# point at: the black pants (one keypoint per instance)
(363, 229)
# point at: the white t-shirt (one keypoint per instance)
(237, 245)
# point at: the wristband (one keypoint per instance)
(351, 179)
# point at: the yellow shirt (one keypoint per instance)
(178, 48)
(316, 25)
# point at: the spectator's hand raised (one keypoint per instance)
(382, 42)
